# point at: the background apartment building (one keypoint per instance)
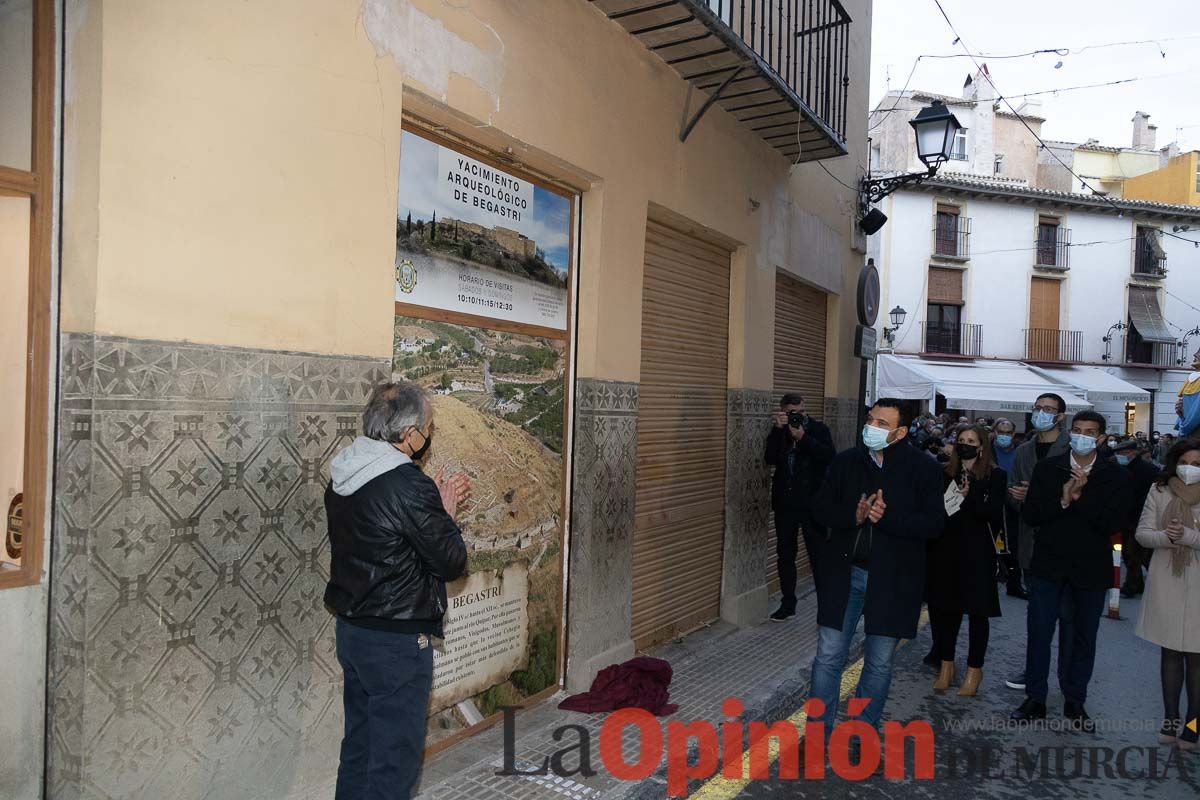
(1016, 279)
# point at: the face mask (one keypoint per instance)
(1124, 460)
(875, 438)
(1003, 440)
(1043, 421)
(1082, 445)
(1188, 474)
(419, 453)
(966, 451)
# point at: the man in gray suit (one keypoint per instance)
(1048, 422)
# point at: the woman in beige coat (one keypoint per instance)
(1170, 614)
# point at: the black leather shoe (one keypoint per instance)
(1015, 589)
(1078, 717)
(1030, 710)
(931, 658)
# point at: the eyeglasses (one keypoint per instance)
(1047, 409)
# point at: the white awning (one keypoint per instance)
(970, 385)
(1096, 385)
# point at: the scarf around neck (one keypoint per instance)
(1183, 499)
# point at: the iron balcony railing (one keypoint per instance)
(780, 67)
(1147, 263)
(1154, 354)
(1050, 344)
(953, 240)
(804, 42)
(950, 338)
(1053, 247)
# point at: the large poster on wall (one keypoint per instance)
(482, 268)
(474, 239)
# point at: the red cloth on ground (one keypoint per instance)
(640, 682)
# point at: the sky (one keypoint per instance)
(549, 224)
(1168, 87)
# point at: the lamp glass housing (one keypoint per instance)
(935, 127)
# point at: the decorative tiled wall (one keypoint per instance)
(191, 654)
(747, 504)
(602, 517)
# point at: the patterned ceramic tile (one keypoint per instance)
(747, 489)
(188, 636)
(605, 464)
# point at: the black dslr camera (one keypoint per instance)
(796, 419)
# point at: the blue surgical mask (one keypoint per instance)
(1123, 459)
(1082, 445)
(875, 438)
(1043, 420)
(1004, 440)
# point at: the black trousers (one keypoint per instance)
(945, 626)
(788, 525)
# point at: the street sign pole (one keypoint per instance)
(865, 343)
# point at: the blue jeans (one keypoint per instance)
(1047, 602)
(388, 677)
(833, 646)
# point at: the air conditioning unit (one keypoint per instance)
(10, 553)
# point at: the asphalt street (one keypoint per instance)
(978, 755)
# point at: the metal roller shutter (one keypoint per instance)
(800, 316)
(680, 513)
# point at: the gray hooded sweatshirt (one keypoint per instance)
(361, 462)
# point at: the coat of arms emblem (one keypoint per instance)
(406, 276)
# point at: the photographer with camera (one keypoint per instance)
(800, 448)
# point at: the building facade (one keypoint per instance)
(1178, 181)
(992, 270)
(230, 285)
(1026, 270)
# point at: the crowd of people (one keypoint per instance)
(939, 511)
(930, 512)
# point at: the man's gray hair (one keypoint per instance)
(392, 409)
(1004, 421)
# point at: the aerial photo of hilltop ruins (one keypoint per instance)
(498, 409)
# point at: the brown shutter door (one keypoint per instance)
(800, 317)
(1043, 319)
(680, 513)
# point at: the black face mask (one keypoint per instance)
(419, 453)
(966, 451)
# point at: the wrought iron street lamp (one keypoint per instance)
(896, 315)
(934, 127)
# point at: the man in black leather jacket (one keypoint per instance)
(393, 546)
(800, 448)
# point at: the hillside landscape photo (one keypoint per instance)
(498, 410)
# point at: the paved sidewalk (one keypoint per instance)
(767, 667)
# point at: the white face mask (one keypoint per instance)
(1188, 473)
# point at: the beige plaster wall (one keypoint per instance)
(1019, 146)
(244, 167)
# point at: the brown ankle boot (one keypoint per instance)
(970, 684)
(945, 677)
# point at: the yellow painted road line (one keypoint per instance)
(722, 788)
